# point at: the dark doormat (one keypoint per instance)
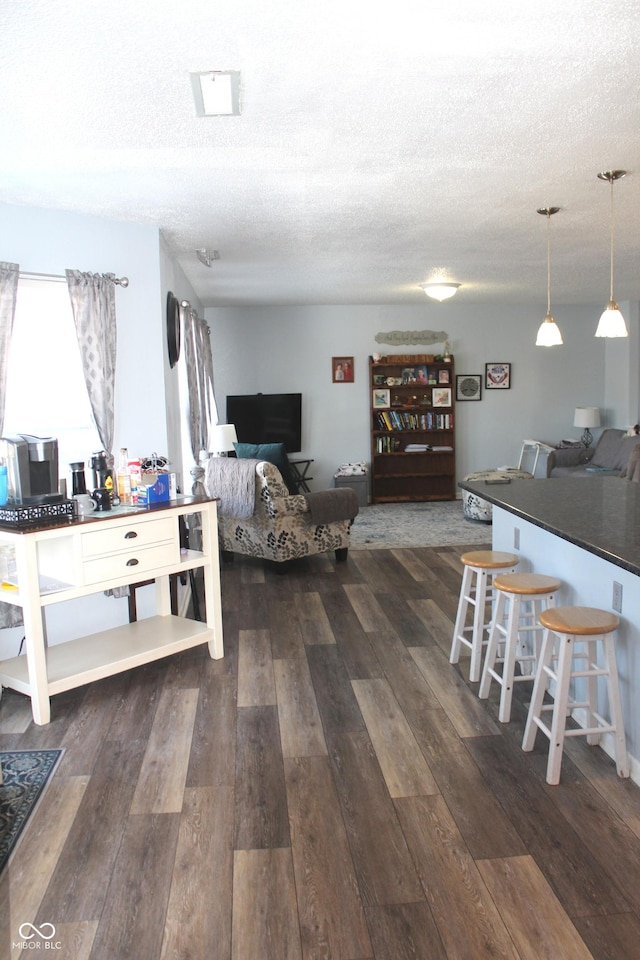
(25, 774)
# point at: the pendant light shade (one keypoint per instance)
(612, 322)
(549, 332)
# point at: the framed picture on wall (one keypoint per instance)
(497, 376)
(342, 369)
(468, 386)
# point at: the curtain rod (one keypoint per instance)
(58, 277)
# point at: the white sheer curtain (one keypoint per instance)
(93, 303)
(8, 294)
(203, 414)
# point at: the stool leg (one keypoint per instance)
(461, 615)
(478, 626)
(591, 653)
(615, 706)
(492, 646)
(509, 663)
(539, 689)
(559, 715)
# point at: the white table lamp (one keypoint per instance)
(223, 437)
(587, 417)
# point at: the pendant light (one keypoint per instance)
(549, 333)
(612, 322)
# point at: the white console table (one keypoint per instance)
(95, 553)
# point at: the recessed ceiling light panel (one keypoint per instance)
(216, 93)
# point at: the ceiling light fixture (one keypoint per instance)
(440, 289)
(549, 332)
(612, 322)
(216, 93)
(207, 256)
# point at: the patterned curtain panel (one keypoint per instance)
(94, 310)
(199, 365)
(8, 294)
(10, 616)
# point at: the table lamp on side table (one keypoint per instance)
(587, 417)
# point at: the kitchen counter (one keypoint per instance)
(585, 532)
(599, 514)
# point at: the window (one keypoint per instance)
(46, 393)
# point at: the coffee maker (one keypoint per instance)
(32, 469)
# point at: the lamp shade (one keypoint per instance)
(587, 417)
(548, 333)
(612, 322)
(223, 437)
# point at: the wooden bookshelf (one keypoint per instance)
(412, 426)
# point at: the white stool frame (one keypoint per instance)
(476, 591)
(507, 626)
(561, 648)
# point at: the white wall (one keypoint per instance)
(289, 349)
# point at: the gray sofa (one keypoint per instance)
(608, 457)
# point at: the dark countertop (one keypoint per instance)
(600, 514)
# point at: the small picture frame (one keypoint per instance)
(443, 376)
(342, 369)
(469, 386)
(497, 376)
(380, 399)
(441, 396)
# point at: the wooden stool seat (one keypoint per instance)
(480, 569)
(489, 559)
(580, 621)
(526, 584)
(521, 598)
(571, 639)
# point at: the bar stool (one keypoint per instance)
(480, 569)
(520, 599)
(567, 628)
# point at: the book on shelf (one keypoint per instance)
(441, 449)
(417, 448)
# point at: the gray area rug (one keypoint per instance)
(25, 774)
(438, 524)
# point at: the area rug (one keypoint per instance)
(434, 524)
(25, 774)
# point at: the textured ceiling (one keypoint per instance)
(379, 144)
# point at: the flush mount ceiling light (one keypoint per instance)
(207, 256)
(216, 93)
(612, 322)
(548, 333)
(440, 289)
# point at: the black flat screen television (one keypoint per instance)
(267, 418)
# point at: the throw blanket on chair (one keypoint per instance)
(327, 506)
(234, 482)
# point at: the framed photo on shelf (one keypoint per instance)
(443, 376)
(441, 396)
(342, 369)
(469, 386)
(497, 376)
(380, 399)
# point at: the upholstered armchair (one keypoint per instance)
(258, 516)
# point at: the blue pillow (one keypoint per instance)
(274, 453)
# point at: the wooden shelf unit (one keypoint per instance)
(409, 408)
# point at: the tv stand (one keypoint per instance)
(95, 553)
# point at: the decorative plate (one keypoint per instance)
(173, 328)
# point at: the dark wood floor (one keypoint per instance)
(333, 788)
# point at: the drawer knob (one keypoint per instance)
(131, 535)
(133, 562)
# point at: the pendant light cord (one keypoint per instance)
(611, 182)
(548, 262)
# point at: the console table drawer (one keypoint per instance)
(97, 543)
(137, 562)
